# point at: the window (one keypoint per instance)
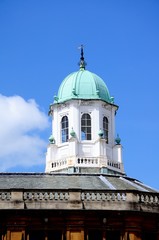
(64, 129)
(86, 127)
(105, 128)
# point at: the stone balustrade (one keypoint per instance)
(99, 195)
(103, 196)
(59, 164)
(5, 196)
(113, 164)
(148, 198)
(79, 199)
(86, 162)
(40, 196)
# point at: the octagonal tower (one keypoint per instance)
(83, 127)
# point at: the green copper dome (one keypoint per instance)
(83, 84)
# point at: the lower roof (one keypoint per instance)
(70, 181)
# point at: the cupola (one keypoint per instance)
(83, 126)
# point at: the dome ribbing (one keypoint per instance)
(83, 84)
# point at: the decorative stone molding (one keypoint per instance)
(106, 106)
(87, 103)
(63, 105)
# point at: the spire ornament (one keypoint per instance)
(82, 62)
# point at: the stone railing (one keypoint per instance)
(114, 164)
(87, 161)
(5, 196)
(103, 196)
(148, 198)
(80, 199)
(40, 196)
(114, 195)
(59, 164)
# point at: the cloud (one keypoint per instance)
(21, 123)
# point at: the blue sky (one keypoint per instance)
(39, 47)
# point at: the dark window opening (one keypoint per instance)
(149, 235)
(99, 235)
(95, 235)
(43, 234)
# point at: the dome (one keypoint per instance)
(83, 84)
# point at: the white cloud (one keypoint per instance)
(20, 125)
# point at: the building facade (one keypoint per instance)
(84, 193)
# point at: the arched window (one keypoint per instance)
(105, 128)
(86, 127)
(64, 129)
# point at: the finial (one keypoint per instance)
(82, 63)
(72, 133)
(100, 133)
(118, 139)
(51, 139)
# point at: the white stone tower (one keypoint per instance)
(83, 127)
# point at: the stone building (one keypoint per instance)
(84, 193)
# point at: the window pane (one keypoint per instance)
(86, 127)
(89, 130)
(89, 122)
(83, 136)
(64, 129)
(83, 122)
(105, 128)
(88, 137)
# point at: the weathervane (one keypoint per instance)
(82, 63)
